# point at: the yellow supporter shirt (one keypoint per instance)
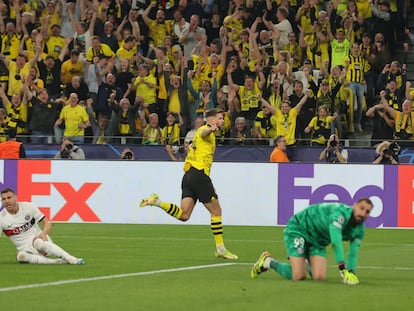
(269, 129)
(104, 49)
(17, 113)
(364, 7)
(73, 116)
(122, 53)
(124, 128)
(16, 85)
(219, 70)
(249, 98)
(10, 45)
(201, 152)
(157, 31)
(236, 25)
(148, 94)
(55, 45)
(68, 70)
(174, 103)
(54, 19)
(286, 124)
(171, 134)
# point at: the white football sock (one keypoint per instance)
(25, 257)
(51, 249)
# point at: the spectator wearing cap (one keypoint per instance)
(54, 41)
(325, 96)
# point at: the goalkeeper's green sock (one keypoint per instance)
(171, 209)
(284, 269)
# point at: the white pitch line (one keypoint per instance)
(204, 239)
(114, 276)
(127, 275)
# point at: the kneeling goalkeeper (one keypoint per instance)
(310, 231)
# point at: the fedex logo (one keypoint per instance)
(339, 183)
(75, 198)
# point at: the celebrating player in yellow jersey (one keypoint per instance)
(196, 183)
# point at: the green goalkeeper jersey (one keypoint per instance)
(329, 223)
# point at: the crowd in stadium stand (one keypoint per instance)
(96, 71)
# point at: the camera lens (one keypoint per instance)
(333, 143)
(18, 77)
(69, 146)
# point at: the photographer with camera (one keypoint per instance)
(127, 154)
(387, 153)
(69, 151)
(333, 153)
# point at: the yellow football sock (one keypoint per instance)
(171, 209)
(217, 229)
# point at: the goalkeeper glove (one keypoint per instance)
(348, 276)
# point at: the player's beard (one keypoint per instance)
(356, 220)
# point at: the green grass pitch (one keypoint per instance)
(172, 267)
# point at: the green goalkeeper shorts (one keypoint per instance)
(297, 245)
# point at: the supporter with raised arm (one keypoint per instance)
(286, 118)
(159, 27)
(11, 35)
(43, 112)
